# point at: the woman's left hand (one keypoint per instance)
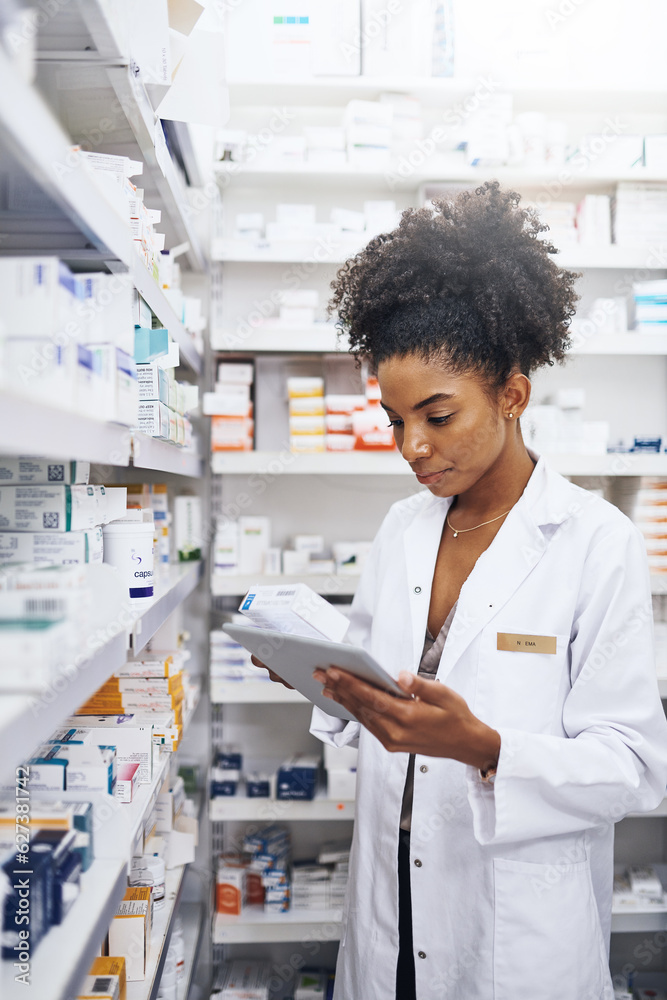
(436, 721)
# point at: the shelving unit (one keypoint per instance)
(257, 927)
(163, 924)
(323, 338)
(192, 915)
(249, 692)
(368, 463)
(235, 807)
(334, 249)
(343, 585)
(63, 958)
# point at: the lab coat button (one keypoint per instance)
(418, 863)
(418, 590)
(423, 768)
(422, 954)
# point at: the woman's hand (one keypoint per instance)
(436, 721)
(274, 677)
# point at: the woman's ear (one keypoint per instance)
(515, 396)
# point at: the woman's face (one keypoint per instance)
(447, 426)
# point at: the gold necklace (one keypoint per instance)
(462, 531)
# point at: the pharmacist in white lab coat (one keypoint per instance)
(481, 866)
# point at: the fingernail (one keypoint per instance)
(333, 674)
(327, 693)
(406, 678)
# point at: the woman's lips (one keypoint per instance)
(433, 477)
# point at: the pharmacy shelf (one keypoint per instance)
(232, 586)
(334, 249)
(90, 27)
(151, 292)
(31, 133)
(164, 456)
(250, 692)
(30, 427)
(254, 926)
(392, 464)
(441, 169)
(192, 915)
(324, 338)
(229, 808)
(438, 92)
(639, 919)
(320, 338)
(171, 589)
(131, 93)
(163, 924)
(64, 956)
(629, 343)
(25, 720)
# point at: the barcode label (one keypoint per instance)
(102, 985)
(44, 605)
(285, 593)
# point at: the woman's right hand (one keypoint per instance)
(274, 677)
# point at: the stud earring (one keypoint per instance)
(510, 415)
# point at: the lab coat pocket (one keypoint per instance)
(520, 689)
(547, 933)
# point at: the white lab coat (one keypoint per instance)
(513, 894)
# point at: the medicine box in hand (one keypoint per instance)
(296, 610)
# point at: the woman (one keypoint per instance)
(482, 856)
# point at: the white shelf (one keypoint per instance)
(629, 343)
(192, 915)
(90, 28)
(230, 808)
(29, 427)
(332, 250)
(164, 456)
(224, 586)
(391, 463)
(255, 926)
(251, 692)
(163, 922)
(641, 919)
(171, 589)
(438, 92)
(316, 340)
(25, 720)
(319, 338)
(33, 135)
(442, 169)
(63, 957)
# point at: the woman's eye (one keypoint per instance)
(441, 420)
(395, 423)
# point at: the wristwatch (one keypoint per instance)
(488, 776)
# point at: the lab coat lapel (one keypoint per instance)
(421, 541)
(500, 571)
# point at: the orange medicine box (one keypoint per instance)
(230, 887)
(111, 965)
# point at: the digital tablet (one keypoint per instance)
(295, 657)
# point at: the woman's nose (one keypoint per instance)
(415, 445)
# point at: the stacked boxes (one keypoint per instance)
(164, 404)
(650, 299)
(67, 339)
(306, 414)
(340, 764)
(231, 408)
(650, 515)
(339, 427)
(229, 660)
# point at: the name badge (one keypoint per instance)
(511, 642)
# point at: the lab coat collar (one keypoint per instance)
(546, 502)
